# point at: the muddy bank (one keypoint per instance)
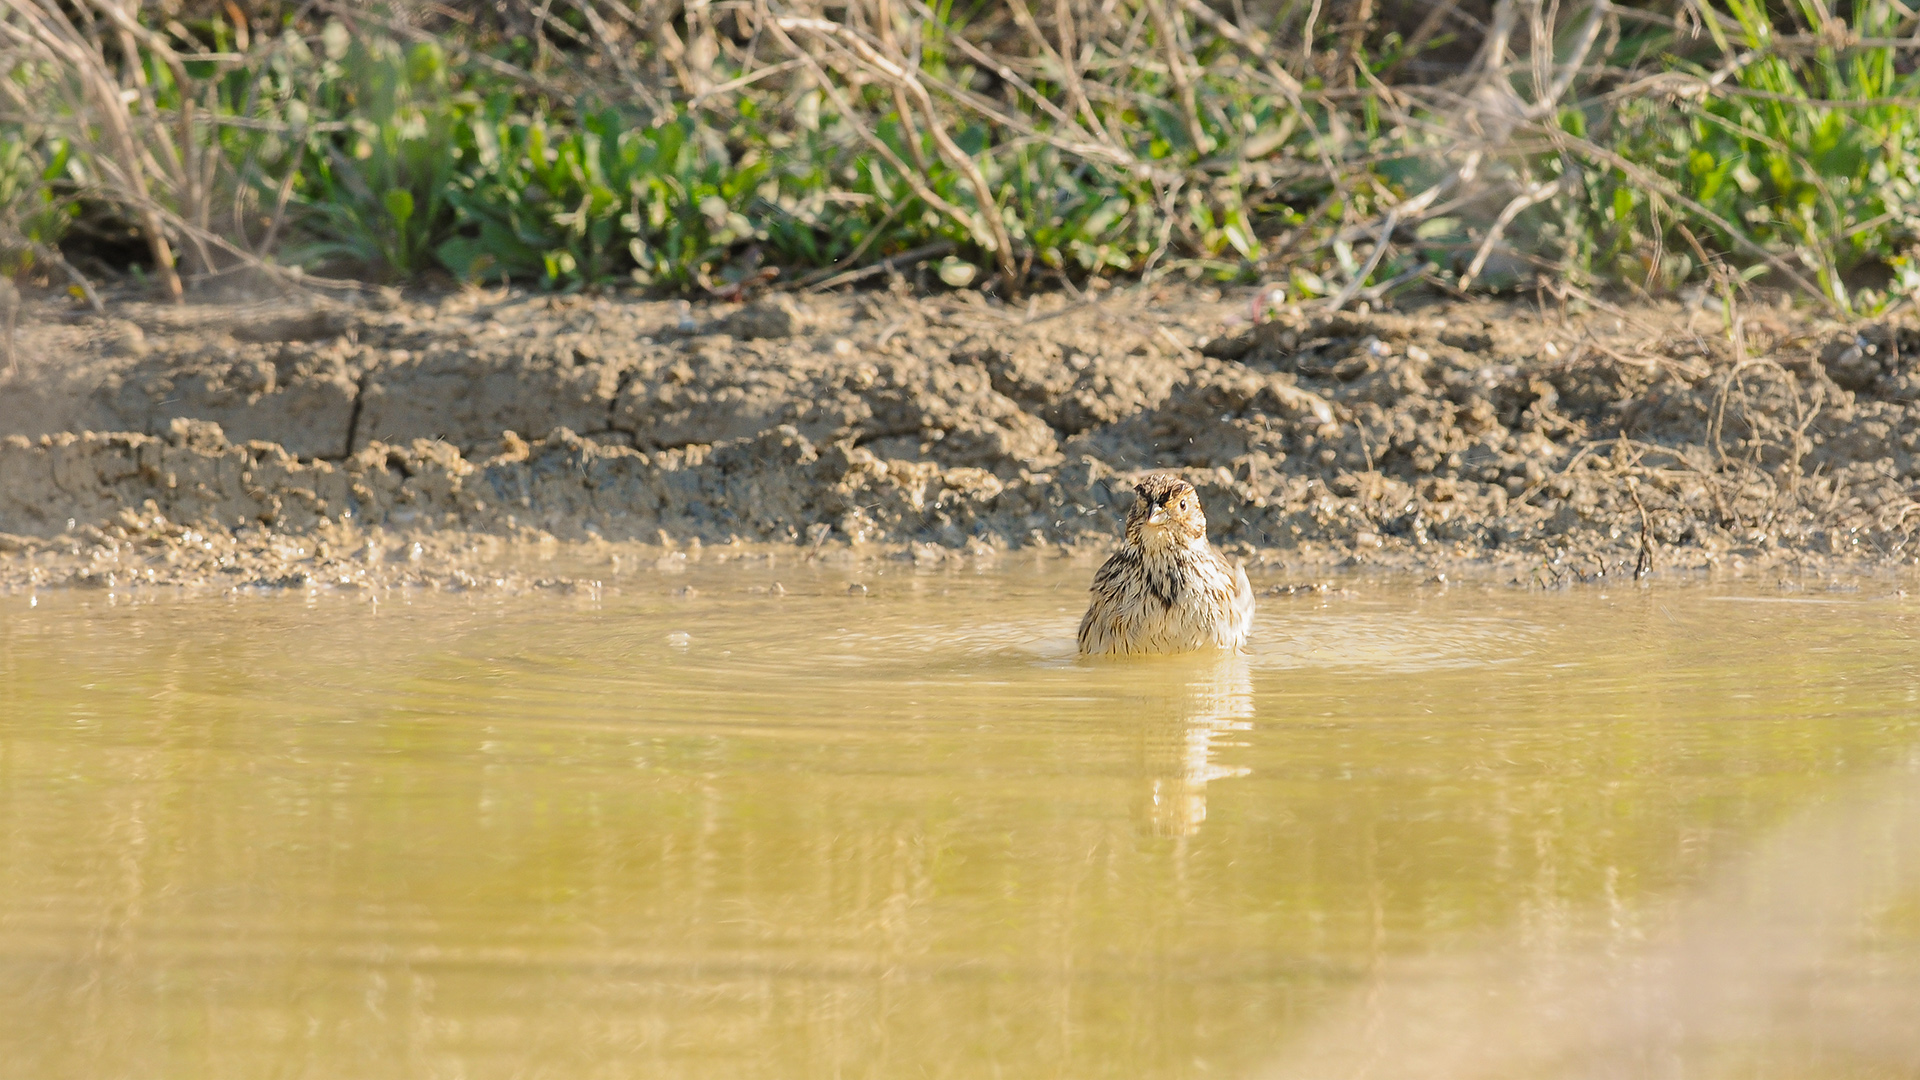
(288, 436)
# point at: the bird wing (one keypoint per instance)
(1097, 629)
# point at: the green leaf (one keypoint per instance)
(425, 61)
(399, 207)
(1240, 235)
(466, 258)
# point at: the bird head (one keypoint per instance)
(1166, 512)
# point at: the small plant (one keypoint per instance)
(33, 214)
(827, 195)
(609, 199)
(1836, 183)
(374, 188)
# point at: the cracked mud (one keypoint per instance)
(398, 440)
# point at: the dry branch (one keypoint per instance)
(51, 32)
(987, 226)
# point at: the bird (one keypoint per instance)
(1166, 590)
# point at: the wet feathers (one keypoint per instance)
(1166, 590)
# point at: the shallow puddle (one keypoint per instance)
(904, 833)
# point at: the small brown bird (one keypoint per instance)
(1166, 590)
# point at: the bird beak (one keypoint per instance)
(1158, 516)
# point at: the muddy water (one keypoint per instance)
(740, 833)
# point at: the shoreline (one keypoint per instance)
(346, 560)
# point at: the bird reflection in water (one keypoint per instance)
(1202, 700)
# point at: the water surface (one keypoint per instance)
(746, 833)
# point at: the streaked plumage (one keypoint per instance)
(1166, 590)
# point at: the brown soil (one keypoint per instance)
(397, 439)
